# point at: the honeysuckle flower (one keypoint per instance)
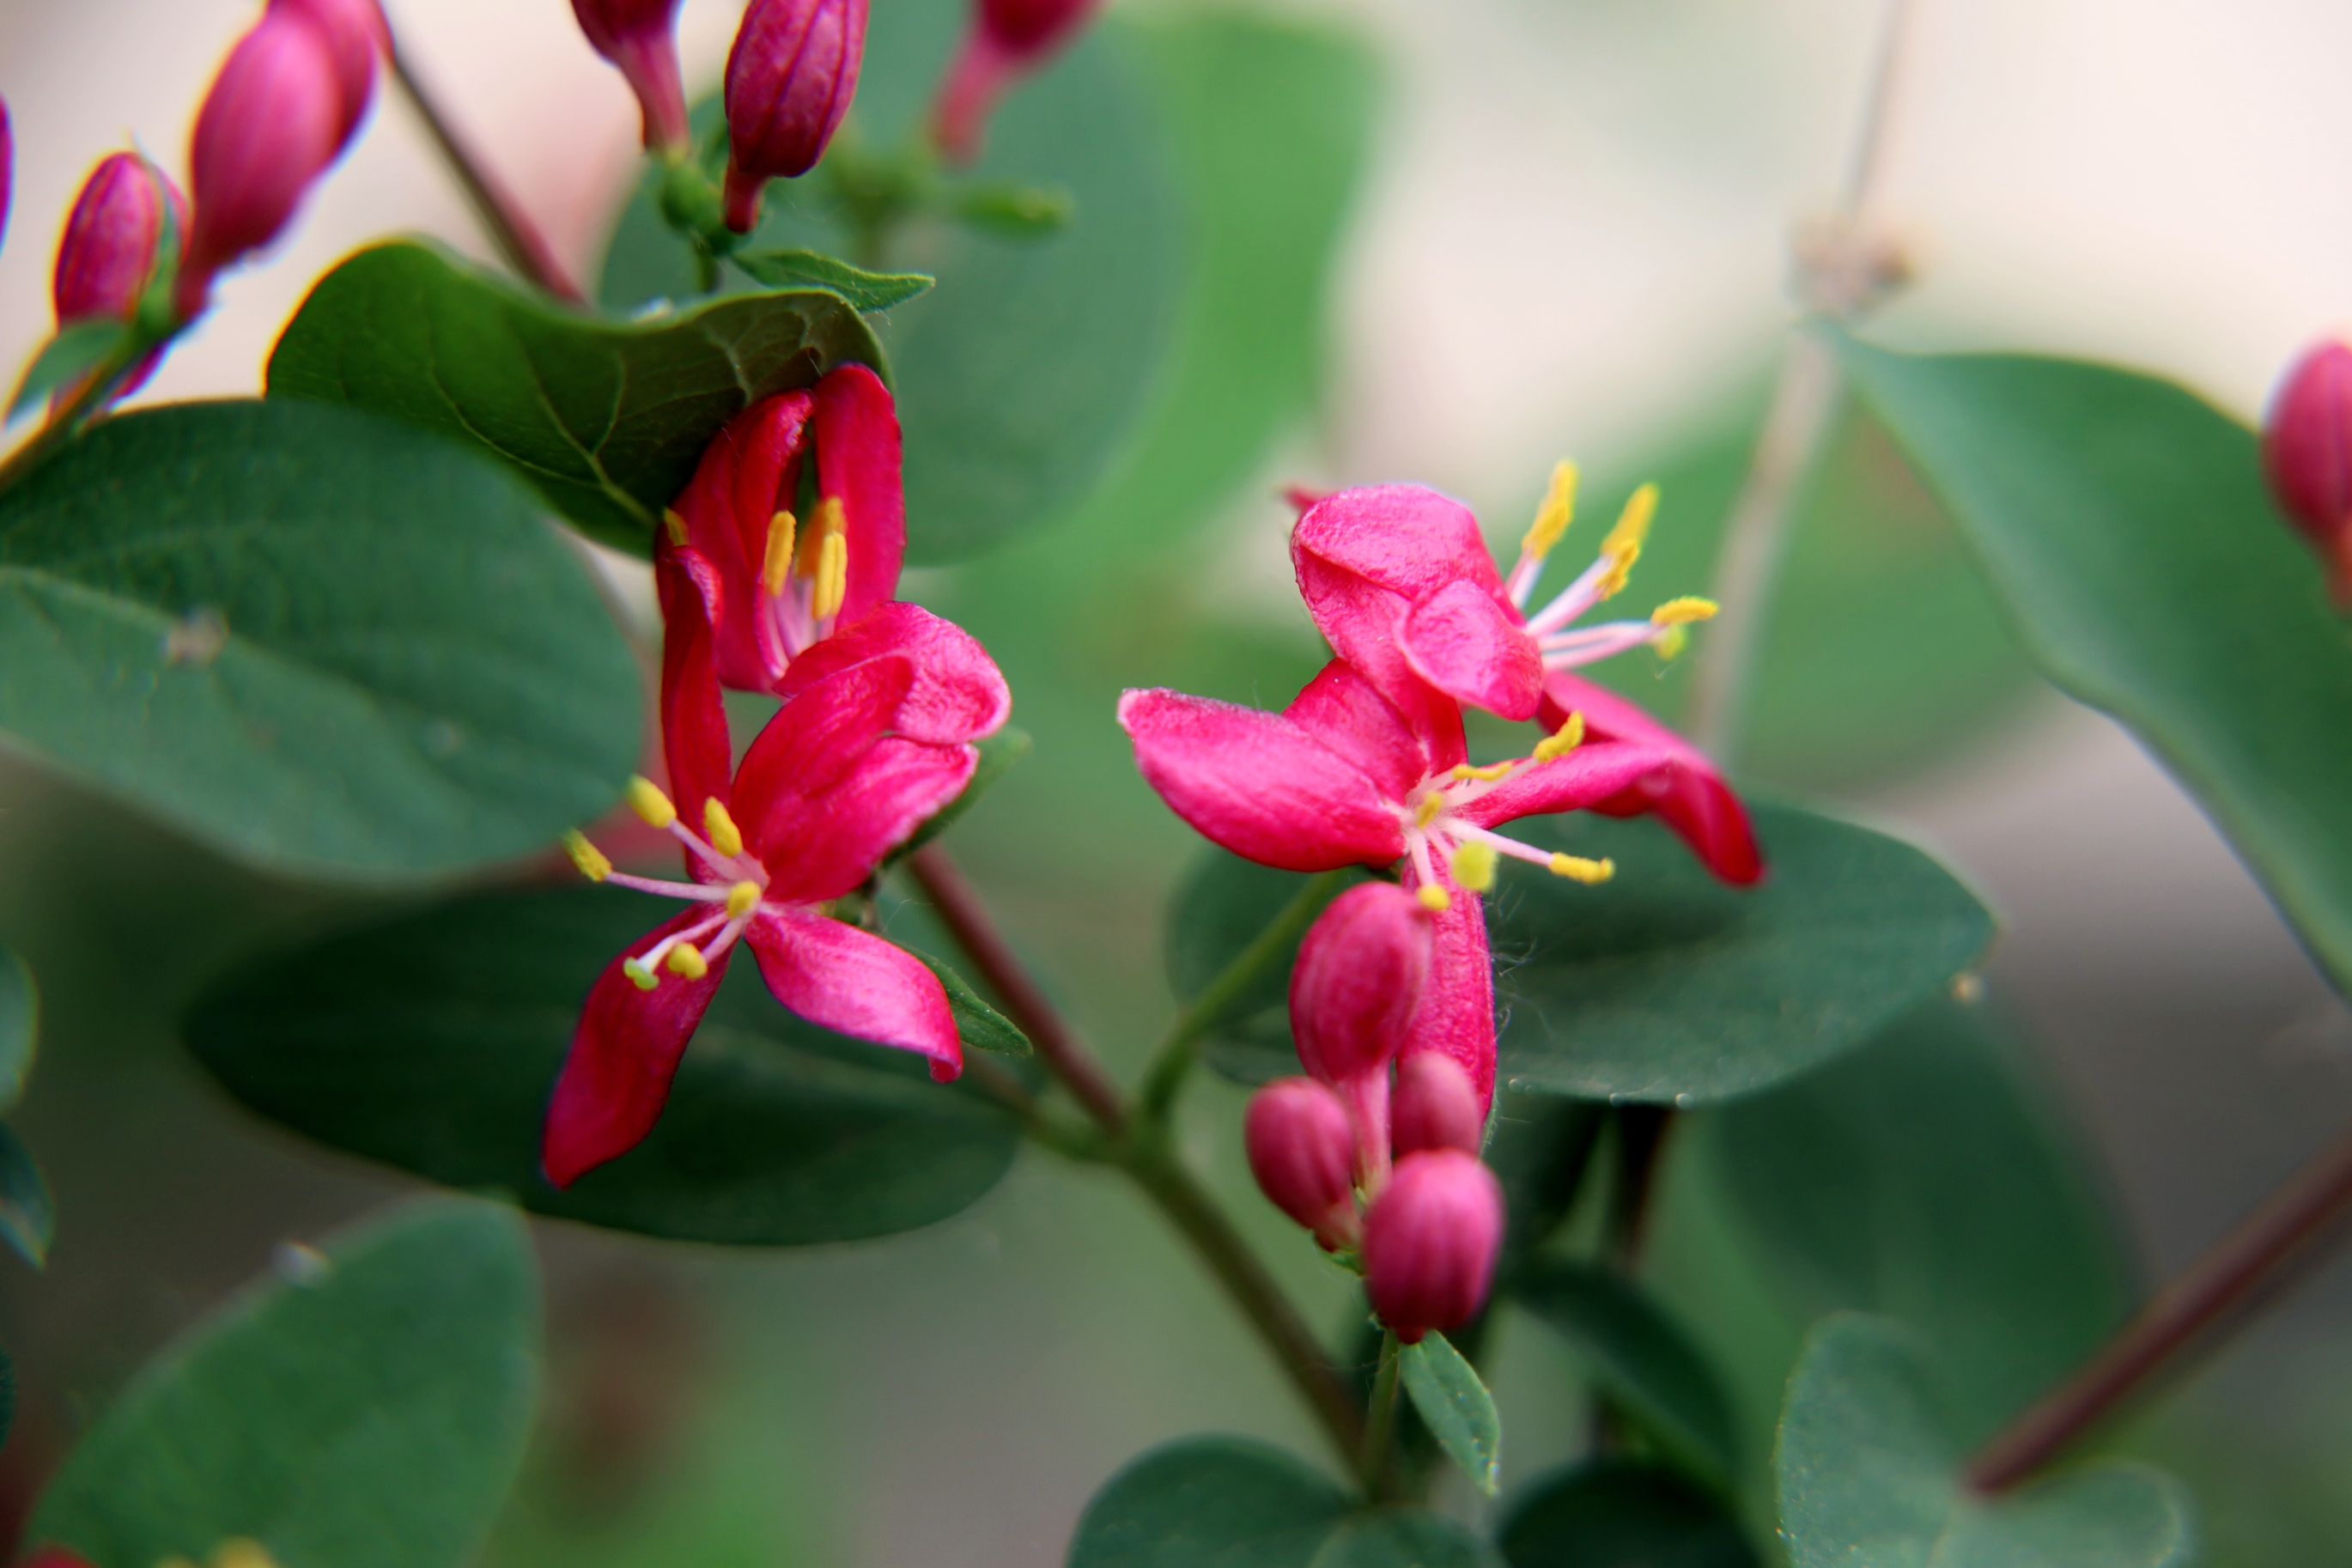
(1430, 1241)
(1007, 40)
(113, 240)
(1341, 777)
(1302, 1150)
(827, 789)
(1400, 582)
(2307, 457)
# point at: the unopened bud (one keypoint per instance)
(640, 38)
(1359, 974)
(109, 251)
(356, 37)
(1007, 40)
(270, 125)
(2307, 457)
(8, 167)
(1431, 1240)
(790, 78)
(1303, 1153)
(1433, 1106)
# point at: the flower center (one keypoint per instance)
(1433, 825)
(738, 890)
(806, 573)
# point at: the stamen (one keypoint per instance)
(587, 856)
(1426, 812)
(1433, 898)
(1552, 518)
(725, 836)
(684, 959)
(647, 801)
(1576, 868)
(1624, 546)
(1491, 770)
(674, 525)
(1566, 738)
(825, 521)
(1474, 865)
(696, 892)
(779, 562)
(1677, 612)
(742, 899)
(1670, 644)
(641, 977)
(832, 577)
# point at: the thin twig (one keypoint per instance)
(510, 230)
(2257, 1257)
(1379, 1430)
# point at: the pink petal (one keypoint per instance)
(623, 1054)
(696, 746)
(1592, 772)
(858, 461)
(958, 695)
(748, 473)
(1461, 640)
(1407, 538)
(1343, 709)
(1259, 784)
(831, 843)
(845, 980)
(1456, 1017)
(814, 741)
(1360, 620)
(1684, 792)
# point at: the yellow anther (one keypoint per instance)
(1433, 898)
(1671, 642)
(685, 959)
(586, 856)
(641, 977)
(1474, 865)
(778, 565)
(1491, 770)
(825, 520)
(1677, 612)
(242, 1553)
(1552, 518)
(1562, 741)
(832, 578)
(1624, 546)
(720, 828)
(647, 801)
(741, 899)
(1576, 868)
(1426, 812)
(674, 524)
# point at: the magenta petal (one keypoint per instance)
(959, 694)
(1259, 784)
(857, 463)
(1461, 640)
(623, 1054)
(853, 984)
(747, 474)
(1360, 620)
(1456, 1017)
(696, 746)
(813, 743)
(1582, 779)
(1344, 710)
(1684, 792)
(832, 842)
(1407, 538)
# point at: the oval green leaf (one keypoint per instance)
(431, 1043)
(1404, 1538)
(313, 638)
(1455, 1407)
(2125, 525)
(1867, 1476)
(367, 1409)
(1226, 1501)
(606, 418)
(1622, 1513)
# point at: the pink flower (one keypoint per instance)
(831, 785)
(356, 36)
(800, 600)
(1006, 42)
(1398, 580)
(1302, 1150)
(1341, 777)
(640, 38)
(790, 80)
(2307, 457)
(1431, 1240)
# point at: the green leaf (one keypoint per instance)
(28, 1215)
(1404, 1538)
(1642, 1356)
(20, 1011)
(431, 1041)
(998, 752)
(65, 358)
(798, 268)
(1024, 373)
(311, 638)
(1928, 1178)
(367, 1409)
(2125, 525)
(1867, 1478)
(980, 1026)
(606, 418)
(1661, 984)
(1226, 1501)
(1622, 1513)
(1455, 1407)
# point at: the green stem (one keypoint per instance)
(1379, 1428)
(64, 422)
(1173, 1058)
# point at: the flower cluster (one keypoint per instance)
(882, 702)
(1369, 766)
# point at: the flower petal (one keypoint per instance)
(1592, 772)
(815, 742)
(958, 695)
(625, 1051)
(830, 843)
(1461, 640)
(1360, 620)
(696, 746)
(1341, 709)
(1686, 792)
(855, 984)
(748, 473)
(1456, 1016)
(1259, 784)
(1407, 538)
(857, 462)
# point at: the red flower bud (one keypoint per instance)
(1008, 39)
(790, 78)
(1431, 1240)
(2307, 456)
(640, 37)
(7, 166)
(1352, 996)
(108, 252)
(1303, 1153)
(1433, 1106)
(272, 123)
(356, 34)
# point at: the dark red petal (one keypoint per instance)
(958, 694)
(1686, 794)
(815, 742)
(748, 473)
(857, 462)
(845, 980)
(696, 746)
(1594, 771)
(831, 842)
